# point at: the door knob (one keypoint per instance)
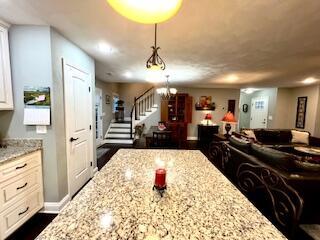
(73, 139)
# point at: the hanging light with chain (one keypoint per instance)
(155, 62)
(166, 92)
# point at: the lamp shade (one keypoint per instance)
(229, 117)
(208, 116)
(146, 11)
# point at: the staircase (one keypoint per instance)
(123, 132)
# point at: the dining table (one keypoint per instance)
(150, 133)
(199, 202)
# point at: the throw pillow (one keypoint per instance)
(250, 134)
(300, 137)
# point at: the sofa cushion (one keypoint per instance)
(285, 136)
(307, 164)
(300, 137)
(273, 157)
(250, 134)
(241, 144)
(268, 136)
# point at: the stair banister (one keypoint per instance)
(143, 103)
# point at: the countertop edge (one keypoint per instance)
(20, 154)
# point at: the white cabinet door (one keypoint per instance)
(6, 101)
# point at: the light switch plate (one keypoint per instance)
(41, 129)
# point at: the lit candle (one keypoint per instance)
(160, 180)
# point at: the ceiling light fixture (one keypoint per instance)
(232, 78)
(309, 80)
(105, 48)
(128, 74)
(146, 11)
(166, 92)
(155, 62)
(249, 90)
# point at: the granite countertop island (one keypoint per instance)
(15, 148)
(200, 203)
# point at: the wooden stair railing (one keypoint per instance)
(141, 105)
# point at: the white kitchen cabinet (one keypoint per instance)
(21, 191)
(6, 100)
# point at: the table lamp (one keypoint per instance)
(228, 118)
(208, 117)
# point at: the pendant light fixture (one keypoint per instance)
(146, 11)
(166, 92)
(155, 62)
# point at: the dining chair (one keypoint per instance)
(161, 139)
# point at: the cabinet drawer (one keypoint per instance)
(20, 166)
(16, 215)
(18, 187)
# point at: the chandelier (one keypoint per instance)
(146, 11)
(166, 92)
(155, 62)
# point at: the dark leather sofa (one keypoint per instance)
(279, 137)
(287, 194)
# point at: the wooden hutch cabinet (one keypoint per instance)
(177, 113)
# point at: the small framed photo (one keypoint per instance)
(108, 99)
(301, 112)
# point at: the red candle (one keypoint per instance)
(160, 180)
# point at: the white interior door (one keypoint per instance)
(98, 116)
(259, 112)
(78, 113)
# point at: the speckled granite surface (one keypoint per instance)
(17, 148)
(200, 203)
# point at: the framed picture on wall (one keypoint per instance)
(301, 112)
(205, 103)
(108, 99)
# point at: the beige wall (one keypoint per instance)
(128, 91)
(107, 89)
(282, 109)
(219, 96)
(287, 107)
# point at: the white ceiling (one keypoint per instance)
(209, 43)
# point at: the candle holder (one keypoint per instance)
(160, 181)
(160, 190)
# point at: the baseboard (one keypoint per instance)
(55, 207)
(192, 138)
(95, 170)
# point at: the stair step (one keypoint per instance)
(120, 125)
(118, 135)
(121, 122)
(120, 130)
(119, 141)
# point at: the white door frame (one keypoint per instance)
(98, 92)
(266, 107)
(66, 63)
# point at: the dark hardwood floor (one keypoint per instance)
(33, 227)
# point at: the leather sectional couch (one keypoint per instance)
(269, 175)
(278, 137)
